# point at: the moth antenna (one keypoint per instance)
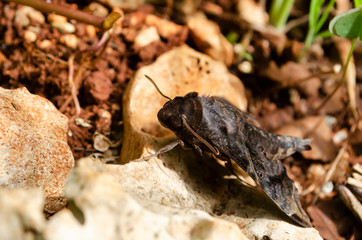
(158, 90)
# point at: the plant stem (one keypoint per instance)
(68, 12)
(279, 13)
(340, 83)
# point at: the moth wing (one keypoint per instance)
(272, 178)
(246, 115)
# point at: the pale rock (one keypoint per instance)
(317, 128)
(33, 146)
(25, 14)
(70, 40)
(208, 38)
(146, 36)
(45, 44)
(91, 30)
(180, 179)
(97, 9)
(30, 36)
(340, 136)
(65, 27)
(165, 27)
(55, 18)
(316, 172)
(252, 12)
(100, 209)
(124, 4)
(183, 181)
(187, 7)
(21, 214)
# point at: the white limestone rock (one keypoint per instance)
(33, 146)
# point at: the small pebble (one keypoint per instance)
(147, 36)
(82, 122)
(327, 188)
(64, 27)
(245, 67)
(340, 136)
(55, 18)
(30, 36)
(70, 40)
(316, 172)
(105, 114)
(45, 44)
(337, 68)
(330, 121)
(25, 14)
(91, 31)
(98, 10)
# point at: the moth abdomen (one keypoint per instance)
(289, 145)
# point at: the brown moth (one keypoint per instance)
(212, 124)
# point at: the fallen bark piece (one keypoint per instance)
(33, 146)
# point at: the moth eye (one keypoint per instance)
(261, 175)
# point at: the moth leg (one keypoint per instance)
(198, 149)
(166, 148)
(229, 165)
(213, 149)
(183, 145)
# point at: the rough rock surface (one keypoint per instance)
(100, 209)
(180, 179)
(21, 214)
(33, 146)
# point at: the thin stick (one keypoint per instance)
(73, 86)
(68, 12)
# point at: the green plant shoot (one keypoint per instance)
(279, 13)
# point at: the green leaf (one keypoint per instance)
(324, 34)
(347, 24)
(232, 37)
(357, 3)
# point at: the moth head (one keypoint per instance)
(170, 114)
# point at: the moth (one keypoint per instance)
(213, 125)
